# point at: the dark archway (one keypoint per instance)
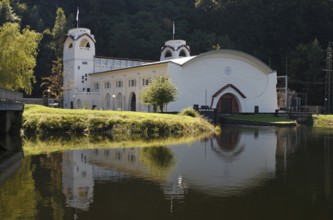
(133, 102)
(227, 104)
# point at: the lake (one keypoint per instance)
(244, 173)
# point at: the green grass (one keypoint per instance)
(261, 118)
(323, 121)
(43, 120)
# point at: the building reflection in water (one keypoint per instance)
(236, 161)
(82, 168)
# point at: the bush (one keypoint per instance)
(189, 112)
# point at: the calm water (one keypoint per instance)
(246, 173)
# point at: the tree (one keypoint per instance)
(58, 32)
(6, 13)
(18, 51)
(305, 72)
(54, 82)
(159, 93)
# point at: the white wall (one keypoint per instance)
(209, 73)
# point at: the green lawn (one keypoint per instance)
(261, 118)
(44, 120)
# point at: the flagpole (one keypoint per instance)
(173, 30)
(77, 17)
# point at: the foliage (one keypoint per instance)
(189, 112)
(306, 75)
(54, 82)
(59, 30)
(22, 203)
(6, 13)
(18, 51)
(159, 93)
(323, 121)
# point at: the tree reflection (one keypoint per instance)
(159, 159)
(18, 196)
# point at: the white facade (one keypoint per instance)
(228, 80)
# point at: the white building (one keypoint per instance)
(228, 80)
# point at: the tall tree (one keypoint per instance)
(305, 72)
(54, 82)
(159, 93)
(58, 31)
(18, 51)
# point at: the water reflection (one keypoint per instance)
(11, 156)
(245, 173)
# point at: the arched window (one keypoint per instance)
(119, 102)
(107, 101)
(84, 43)
(182, 53)
(168, 54)
(132, 102)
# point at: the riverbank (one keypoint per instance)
(322, 121)
(258, 119)
(41, 120)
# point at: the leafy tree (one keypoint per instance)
(54, 82)
(18, 51)
(58, 31)
(159, 93)
(6, 13)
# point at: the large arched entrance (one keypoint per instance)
(228, 104)
(132, 102)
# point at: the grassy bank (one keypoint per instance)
(260, 119)
(323, 121)
(41, 120)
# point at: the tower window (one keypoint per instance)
(168, 54)
(84, 44)
(182, 53)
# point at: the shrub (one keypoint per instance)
(189, 112)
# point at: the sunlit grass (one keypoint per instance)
(44, 120)
(323, 121)
(261, 118)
